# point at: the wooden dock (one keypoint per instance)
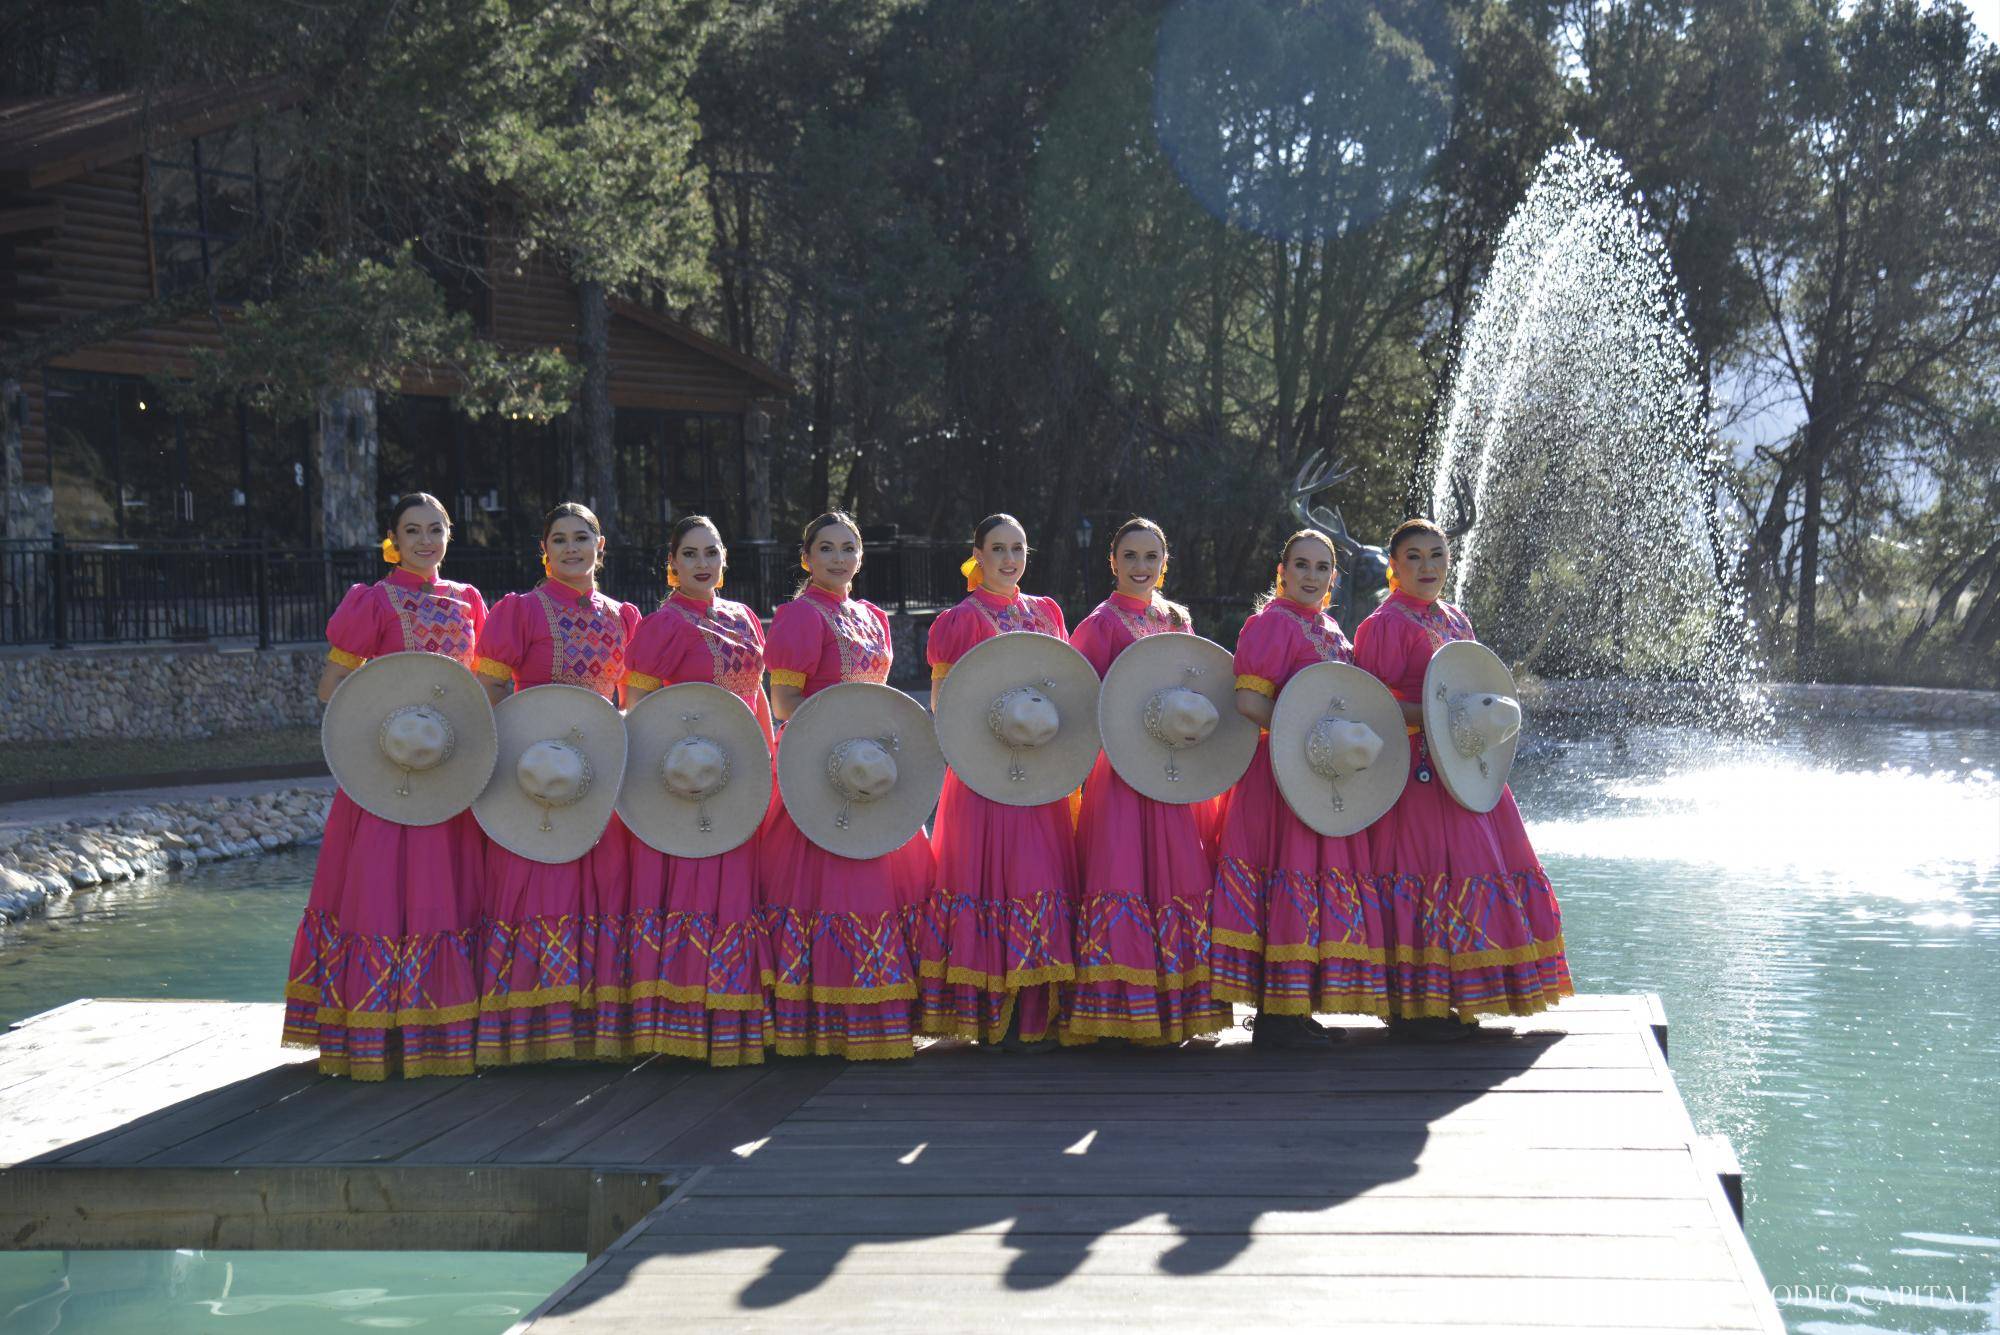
(1546, 1179)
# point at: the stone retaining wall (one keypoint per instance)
(181, 692)
(166, 693)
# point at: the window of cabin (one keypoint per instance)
(204, 195)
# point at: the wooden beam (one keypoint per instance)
(325, 1207)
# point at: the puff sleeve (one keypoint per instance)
(503, 641)
(653, 654)
(1382, 649)
(954, 632)
(1263, 654)
(355, 631)
(1096, 641)
(1052, 614)
(797, 641)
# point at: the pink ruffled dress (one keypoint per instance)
(1472, 918)
(843, 982)
(1148, 874)
(998, 928)
(1298, 924)
(695, 959)
(384, 978)
(551, 932)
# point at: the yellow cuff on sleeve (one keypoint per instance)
(782, 677)
(939, 671)
(642, 681)
(487, 667)
(345, 659)
(1261, 685)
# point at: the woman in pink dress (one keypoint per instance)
(1471, 914)
(1298, 915)
(843, 982)
(697, 960)
(384, 979)
(1147, 873)
(996, 935)
(548, 929)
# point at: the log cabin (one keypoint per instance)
(109, 200)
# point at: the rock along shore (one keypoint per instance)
(52, 860)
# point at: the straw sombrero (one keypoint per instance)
(1338, 748)
(860, 769)
(1167, 714)
(1017, 719)
(562, 757)
(697, 771)
(1472, 722)
(410, 737)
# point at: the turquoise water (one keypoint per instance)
(225, 933)
(1820, 915)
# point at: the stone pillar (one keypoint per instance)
(757, 425)
(27, 510)
(347, 445)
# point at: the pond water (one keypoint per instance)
(1820, 914)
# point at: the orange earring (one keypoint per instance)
(390, 553)
(545, 566)
(673, 580)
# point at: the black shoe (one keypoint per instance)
(1431, 1029)
(1287, 1032)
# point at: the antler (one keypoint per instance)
(1464, 514)
(1318, 516)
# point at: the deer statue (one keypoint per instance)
(1364, 570)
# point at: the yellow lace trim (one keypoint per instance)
(334, 1015)
(1262, 685)
(498, 671)
(573, 993)
(1125, 973)
(409, 1067)
(715, 1001)
(939, 671)
(1011, 981)
(844, 996)
(881, 1049)
(642, 681)
(786, 677)
(345, 659)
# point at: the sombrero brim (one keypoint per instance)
(662, 818)
(988, 670)
(350, 737)
(841, 713)
(1151, 665)
(1359, 800)
(1467, 665)
(554, 712)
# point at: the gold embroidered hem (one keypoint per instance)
(1125, 973)
(573, 993)
(1075, 1032)
(839, 996)
(353, 1019)
(687, 992)
(868, 1050)
(368, 1072)
(1434, 1009)
(1012, 981)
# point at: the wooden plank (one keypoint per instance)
(1330, 1079)
(1235, 1216)
(761, 1111)
(1422, 1105)
(531, 1096)
(1367, 1051)
(641, 1137)
(1633, 1174)
(1689, 1255)
(561, 1136)
(158, 1133)
(295, 1129)
(611, 1302)
(1646, 1129)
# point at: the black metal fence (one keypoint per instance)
(59, 593)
